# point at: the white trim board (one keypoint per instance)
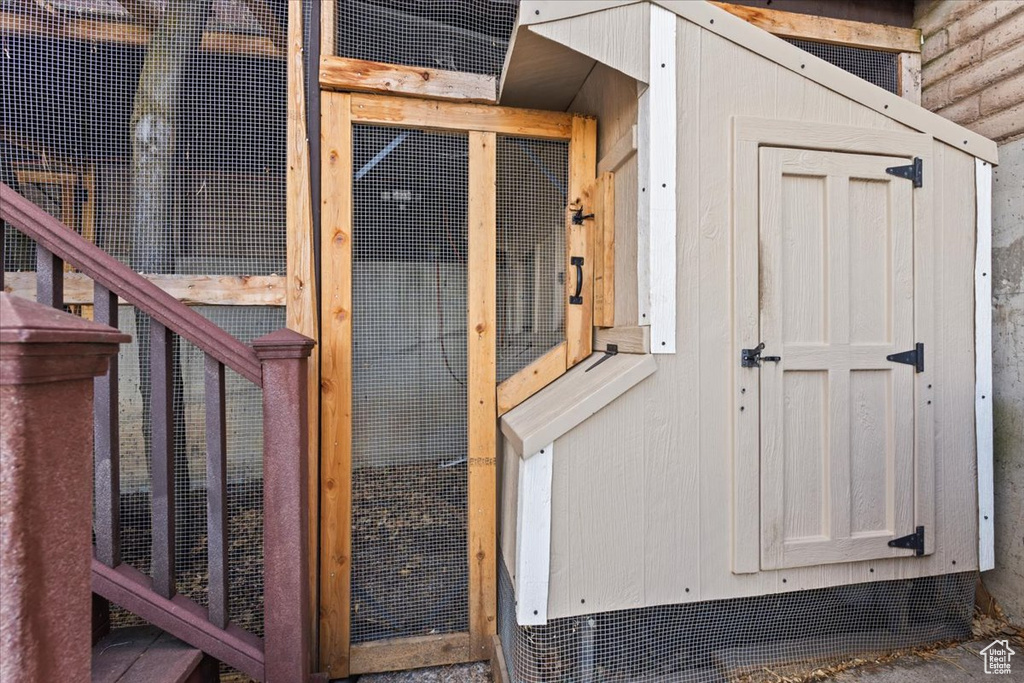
(661, 180)
(533, 537)
(983, 365)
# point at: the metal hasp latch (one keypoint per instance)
(914, 357)
(751, 358)
(578, 217)
(913, 172)
(610, 350)
(914, 541)
(577, 298)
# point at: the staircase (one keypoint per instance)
(185, 640)
(145, 654)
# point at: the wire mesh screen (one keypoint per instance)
(160, 137)
(409, 476)
(453, 35)
(757, 639)
(531, 203)
(874, 66)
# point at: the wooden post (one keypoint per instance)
(287, 639)
(48, 360)
(482, 399)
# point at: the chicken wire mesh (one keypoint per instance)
(874, 66)
(161, 138)
(532, 177)
(753, 640)
(409, 443)
(452, 35)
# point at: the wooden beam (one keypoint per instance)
(531, 379)
(336, 385)
(827, 30)
(499, 670)
(193, 290)
(300, 282)
(91, 30)
(482, 410)
(264, 15)
(328, 21)
(910, 76)
(343, 73)
(628, 339)
(579, 318)
(400, 654)
(437, 115)
(604, 250)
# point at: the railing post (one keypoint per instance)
(48, 360)
(286, 624)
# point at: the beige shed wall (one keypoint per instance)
(642, 509)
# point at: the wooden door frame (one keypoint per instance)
(749, 135)
(482, 123)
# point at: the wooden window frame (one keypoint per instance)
(482, 124)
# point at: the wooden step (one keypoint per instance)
(145, 654)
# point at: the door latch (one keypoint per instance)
(578, 217)
(751, 358)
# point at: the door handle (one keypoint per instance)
(751, 358)
(577, 298)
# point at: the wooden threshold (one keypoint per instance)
(531, 379)
(193, 290)
(827, 30)
(360, 75)
(499, 670)
(439, 115)
(399, 654)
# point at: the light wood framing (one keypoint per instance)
(438, 115)
(328, 19)
(300, 277)
(827, 30)
(531, 379)
(482, 410)
(336, 386)
(359, 75)
(410, 653)
(94, 31)
(579, 318)
(628, 339)
(910, 76)
(193, 290)
(604, 250)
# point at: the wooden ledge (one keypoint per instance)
(359, 75)
(827, 30)
(572, 398)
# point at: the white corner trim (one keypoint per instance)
(533, 538)
(983, 365)
(661, 180)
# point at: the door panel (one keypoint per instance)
(836, 298)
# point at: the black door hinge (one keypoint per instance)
(914, 357)
(913, 172)
(914, 541)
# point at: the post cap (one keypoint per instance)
(26, 322)
(283, 343)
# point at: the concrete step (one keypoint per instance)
(145, 654)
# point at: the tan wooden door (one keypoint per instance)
(836, 298)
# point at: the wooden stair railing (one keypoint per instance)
(276, 363)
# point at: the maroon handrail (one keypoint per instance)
(53, 236)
